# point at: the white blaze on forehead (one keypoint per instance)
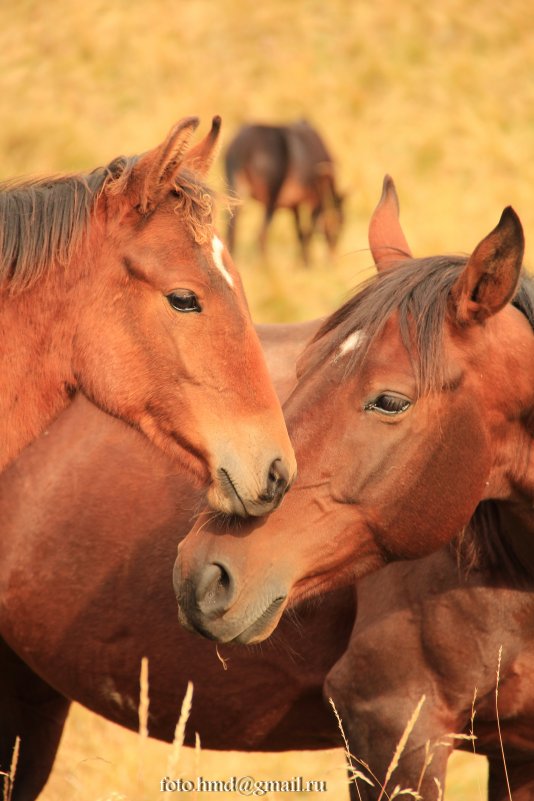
(350, 344)
(217, 248)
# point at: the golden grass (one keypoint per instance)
(439, 95)
(97, 758)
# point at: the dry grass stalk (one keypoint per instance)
(144, 702)
(398, 791)
(440, 789)
(431, 750)
(220, 657)
(401, 745)
(198, 753)
(473, 738)
(9, 778)
(427, 761)
(499, 724)
(354, 773)
(179, 733)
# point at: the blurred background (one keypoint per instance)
(440, 95)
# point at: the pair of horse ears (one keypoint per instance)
(155, 172)
(490, 277)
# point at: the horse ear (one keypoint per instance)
(155, 171)
(386, 238)
(200, 158)
(491, 275)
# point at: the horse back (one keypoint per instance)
(279, 165)
(257, 161)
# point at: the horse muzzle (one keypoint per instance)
(233, 492)
(207, 605)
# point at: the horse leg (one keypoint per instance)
(31, 710)
(270, 209)
(380, 702)
(304, 236)
(520, 776)
(373, 737)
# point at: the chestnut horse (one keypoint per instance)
(422, 387)
(434, 627)
(115, 285)
(286, 166)
(85, 593)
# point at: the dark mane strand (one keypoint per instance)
(44, 220)
(484, 546)
(524, 299)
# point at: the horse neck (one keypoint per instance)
(36, 331)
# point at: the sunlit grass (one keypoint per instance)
(97, 758)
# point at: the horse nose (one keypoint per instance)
(215, 591)
(277, 482)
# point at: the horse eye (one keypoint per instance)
(389, 404)
(184, 301)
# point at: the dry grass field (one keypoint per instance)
(440, 95)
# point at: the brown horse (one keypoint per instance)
(286, 167)
(85, 593)
(434, 627)
(115, 285)
(422, 387)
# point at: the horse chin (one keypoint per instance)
(230, 632)
(224, 496)
(264, 626)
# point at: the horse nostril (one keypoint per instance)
(215, 590)
(225, 581)
(277, 481)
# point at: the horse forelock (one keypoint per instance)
(44, 220)
(195, 204)
(418, 290)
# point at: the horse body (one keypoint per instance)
(115, 285)
(286, 166)
(86, 593)
(422, 387)
(445, 623)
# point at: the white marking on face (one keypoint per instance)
(350, 344)
(217, 248)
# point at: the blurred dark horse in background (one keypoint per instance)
(289, 167)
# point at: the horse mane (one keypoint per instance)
(484, 546)
(524, 298)
(418, 290)
(44, 220)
